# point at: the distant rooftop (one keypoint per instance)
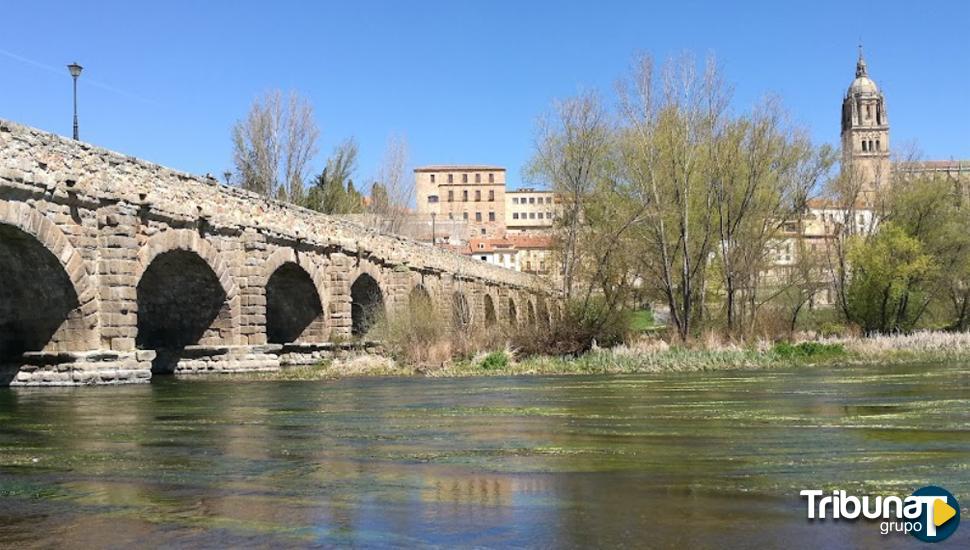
(459, 168)
(935, 165)
(528, 190)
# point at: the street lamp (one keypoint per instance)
(75, 72)
(433, 240)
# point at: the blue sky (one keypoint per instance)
(463, 81)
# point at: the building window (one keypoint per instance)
(464, 216)
(478, 196)
(451, 196)
(432, 178)
(515, 200)
(464, 178)
(864, 146)
(478, 216)
(464, 195)
(483, 231)
(491, 216)
(432, 199)
(491, 195)
(532, 215)
(532, 200)
(481, 246)
(451, 215)
(868, 111)
(478, 178)
(491, 178)
(451, 178)
(878, 147)
(515, 215)
(484, 259)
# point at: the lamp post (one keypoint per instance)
(434, 242)
(75, 72)
(228, 175)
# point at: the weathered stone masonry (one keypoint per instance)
(112, 268)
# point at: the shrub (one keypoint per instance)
(808, 350)
(418, 335)
(580, 327)
(494, 360)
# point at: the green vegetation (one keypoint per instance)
(641, 320)
(808, 350)
(494, 361)
(655, 356)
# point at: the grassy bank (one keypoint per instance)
(654, 356)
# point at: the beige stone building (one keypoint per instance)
(530, 210)
(471, 193)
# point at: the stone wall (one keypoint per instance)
(108, 256)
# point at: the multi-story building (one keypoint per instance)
(535, 253)
(470, 193)
(529, 210)
(520, 252)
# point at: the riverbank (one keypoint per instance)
(656, 356)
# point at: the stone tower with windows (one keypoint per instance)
(865, 133)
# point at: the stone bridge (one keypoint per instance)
(112, 268)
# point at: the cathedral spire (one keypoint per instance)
(860, 66)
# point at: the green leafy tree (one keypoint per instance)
(333, 190)
(889, 271)
(929, 209)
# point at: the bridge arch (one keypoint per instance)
(513, 313)
(544, 318)
(488, 305)
(461, 313)
(530, 310)
(295, 296)
(186, 296)
(366, 304)
(47, 300)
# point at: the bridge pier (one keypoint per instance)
(218, 359)
(67, 368)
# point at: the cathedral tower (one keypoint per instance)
(865, 133)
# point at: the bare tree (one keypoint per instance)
(273, 145)
(763, 170)
(669, 132)
(573, 145)
(393, 188)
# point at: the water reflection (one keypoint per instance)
(702, 459)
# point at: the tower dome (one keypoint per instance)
(862, 83)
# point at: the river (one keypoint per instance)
(687, 460)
